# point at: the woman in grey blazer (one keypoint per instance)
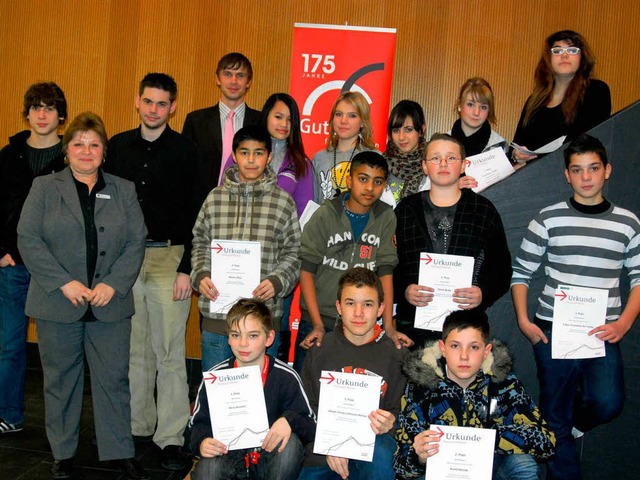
(82, 236)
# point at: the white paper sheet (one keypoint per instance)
(443, 273)
(238, 410)
(465, 454)
(488, 168)
(235, 271)
(344, 429)
(576, 311)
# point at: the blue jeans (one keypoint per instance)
(14, 282)
(216, 349)
(577, 393)
(271, 465)
(515, 467)
(381, 468)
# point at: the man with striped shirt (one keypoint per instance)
(583, 242)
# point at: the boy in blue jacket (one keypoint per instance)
(291, 419)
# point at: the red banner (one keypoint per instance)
(330, 59)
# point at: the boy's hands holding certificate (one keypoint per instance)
(210, 447)
(426, 444)
(468, 298)
(208, 289)
(418, 295)
(278, 434)
(381, 421)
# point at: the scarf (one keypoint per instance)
(406, 166)
(475, 143)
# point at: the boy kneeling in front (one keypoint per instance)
(291, 420)
(465, 381)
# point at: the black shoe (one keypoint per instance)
(6, 427)
(131, 469)
(173, 458)
(62, 469)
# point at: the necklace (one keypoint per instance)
(344, 171)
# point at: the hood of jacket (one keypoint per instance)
(253, 189)
(243, 196)
(19, 140)
(425, 367)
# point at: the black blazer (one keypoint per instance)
(203, 128)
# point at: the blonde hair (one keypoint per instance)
(362, 107)
(480, 91)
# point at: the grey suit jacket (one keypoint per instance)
(51, 240)
(203, 128)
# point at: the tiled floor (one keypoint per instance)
(26, 455)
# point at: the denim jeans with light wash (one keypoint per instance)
(515, 467)
(381, 468)
(215, 348)
(576, 393)
(14, 282)
(272, 465)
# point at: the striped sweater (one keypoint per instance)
(584, 250)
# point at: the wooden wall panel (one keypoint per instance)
(98, 50)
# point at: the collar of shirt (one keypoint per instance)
(140, 140)
(238, 119)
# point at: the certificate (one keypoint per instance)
(236, 402)
(344, 429)
(552, 146)
(443, 273)
(464, 453)
(576, 311)
(488, 168)
(235, 271)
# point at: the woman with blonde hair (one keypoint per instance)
(350, 132)
(565, 99)
(476, 118)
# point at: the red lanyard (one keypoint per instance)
(265, 369)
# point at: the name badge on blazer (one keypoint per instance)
(103, 195)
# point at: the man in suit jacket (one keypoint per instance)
(206, 127)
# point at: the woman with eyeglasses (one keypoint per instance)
(565, 99)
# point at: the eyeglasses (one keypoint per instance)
(561, 50)
(437, 160)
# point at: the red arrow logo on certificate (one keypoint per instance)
(211, 377)
(468, 162)
(562, 294)
(440, 432)
(331, 378)
(217, 249)
(427, 259)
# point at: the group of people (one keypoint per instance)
(102, 242)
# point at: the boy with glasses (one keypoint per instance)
(447, 220)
